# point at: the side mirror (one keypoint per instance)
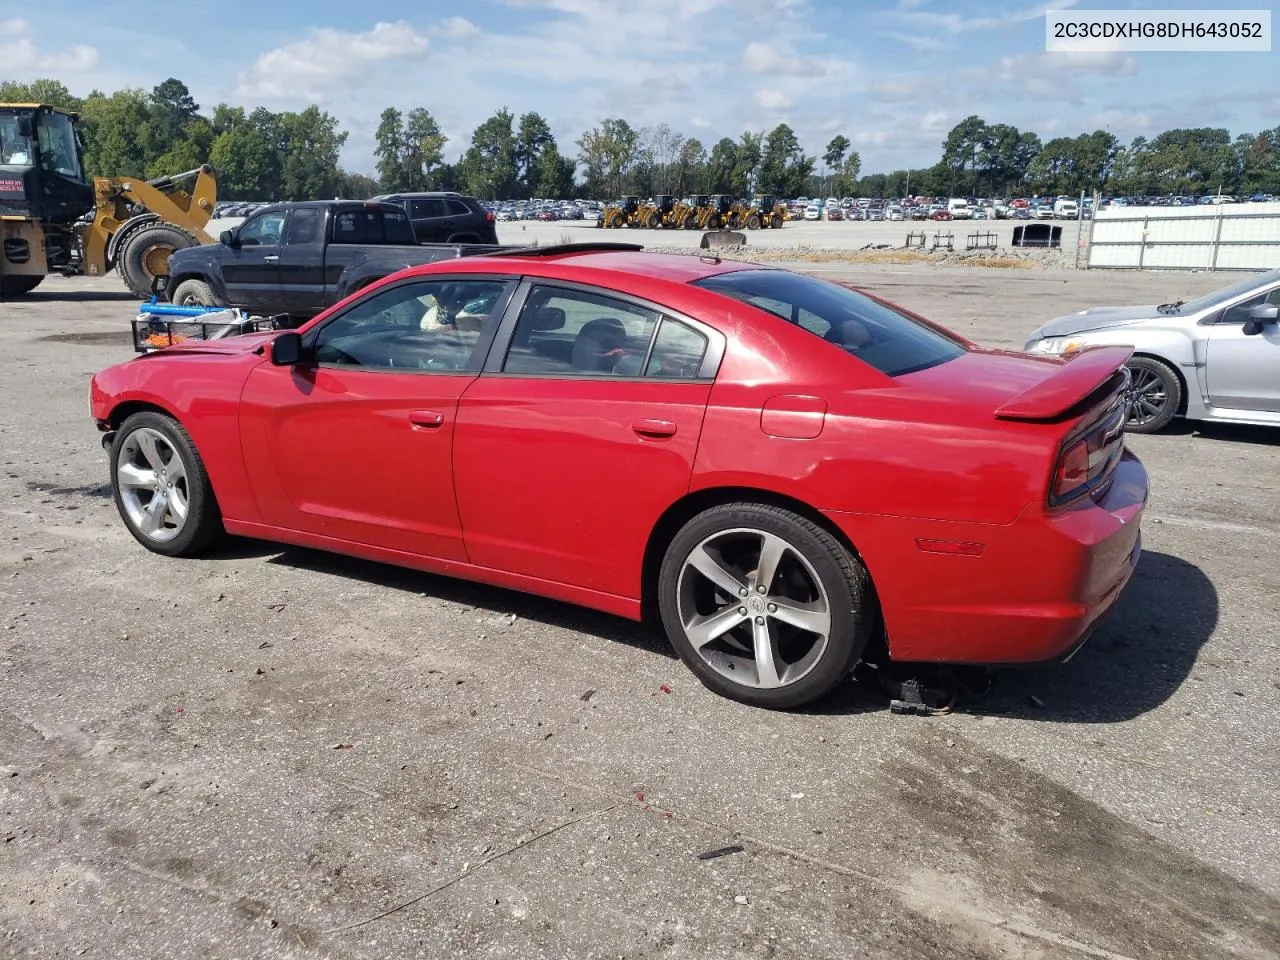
(227, 238)
(286, 349)
(1259, 317)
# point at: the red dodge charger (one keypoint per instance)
(776, 468)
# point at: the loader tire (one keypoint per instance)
(775, 221)
(617, 221)
(193, 293)
(652, 222)
(753, 222)
(19, 286)
(690, 222)
(714, 222)
(144, 255)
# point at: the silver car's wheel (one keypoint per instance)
(161, 487)
(754, 608)
(765, 606)
(153, 485)
(1153, 395)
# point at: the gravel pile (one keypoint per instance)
(1002, 257)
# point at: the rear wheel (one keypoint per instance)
(19, 286)
(617, 220)
(690, 222)
(161, 488)
(764, 606)
(775, 221)
(1153, 396)
(753, 222)
(714, 222)
(144, 255)
(652, 221)
(193, 293)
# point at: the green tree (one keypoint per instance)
(172, 108)
(555, 173)
(313, 142)
(748, 160)
(718, 175)
(784, 168)
(117, 133)
(52, 92)
(389, 150)
(960, 152)
(489, 165)
(608, 152)
(533, 139)
(423, 149)
(689, 167)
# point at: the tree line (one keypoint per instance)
(294, 155)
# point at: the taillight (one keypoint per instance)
(489, 217)
(1086, 461)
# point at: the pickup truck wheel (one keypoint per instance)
(193, 293)
(161, 488)
(144, 255)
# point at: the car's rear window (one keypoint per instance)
(373, 226)
(877, 334)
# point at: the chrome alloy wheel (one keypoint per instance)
(153, 484)
(1146, 396)
(753, 608)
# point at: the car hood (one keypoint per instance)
(1097, 318)
(243, 343)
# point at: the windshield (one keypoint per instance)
(877, 334)
(58, 145)
(15, 149)
(1211, 300)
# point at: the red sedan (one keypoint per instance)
(776, 468)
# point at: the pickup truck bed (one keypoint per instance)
(301, 258)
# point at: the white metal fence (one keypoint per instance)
(1211, 237)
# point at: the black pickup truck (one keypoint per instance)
(300, 258)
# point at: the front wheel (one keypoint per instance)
(144, 255)
(161, 488)
(764, 606)
(1153, 396)
(193, 293)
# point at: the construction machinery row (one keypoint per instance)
(701, 212)
(56, 219)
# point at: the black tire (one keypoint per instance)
(464, 238)
(203, 524)
(617, 221)
(714, 222)
(652, 221)
(19, 285)
(690, 222)
(753, 222)
(1154, 395)
(842, 577)
(775, 221)
(193, 293)
(143, 255)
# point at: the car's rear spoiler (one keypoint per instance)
(1071, 383)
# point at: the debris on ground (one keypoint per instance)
(722, 852)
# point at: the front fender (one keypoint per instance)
(199, 263)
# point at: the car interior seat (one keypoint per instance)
(596, 348)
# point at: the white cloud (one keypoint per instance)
(20, 54)
(301, 72)
(773, 60)
(916, 41)
(773, 99)
(456, 28)
(700, 122)
(955, 23)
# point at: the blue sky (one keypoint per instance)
(893, 75)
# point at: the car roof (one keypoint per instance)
(610, 265)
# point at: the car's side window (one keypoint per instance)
(1239, 313)
(426, 325)
(424, 207)
(305, 226)
(579, 333)
(264, 230)
(348, 227)
(677, 351)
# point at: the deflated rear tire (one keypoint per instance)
(160, 486)
(763, 605)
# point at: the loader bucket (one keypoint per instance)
(722, 238)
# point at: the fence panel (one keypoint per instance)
(1210, 237)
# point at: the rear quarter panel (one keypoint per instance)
(203, 394)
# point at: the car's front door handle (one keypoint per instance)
(654, 428)
(426, 418)
(271, 256)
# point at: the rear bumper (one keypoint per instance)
(1028, 592)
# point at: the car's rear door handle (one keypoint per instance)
(426, 418)
(271, 256)
(654, 428)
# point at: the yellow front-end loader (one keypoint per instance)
(55, 219)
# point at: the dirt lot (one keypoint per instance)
(280, 753)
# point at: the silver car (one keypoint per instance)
(1213, 358)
